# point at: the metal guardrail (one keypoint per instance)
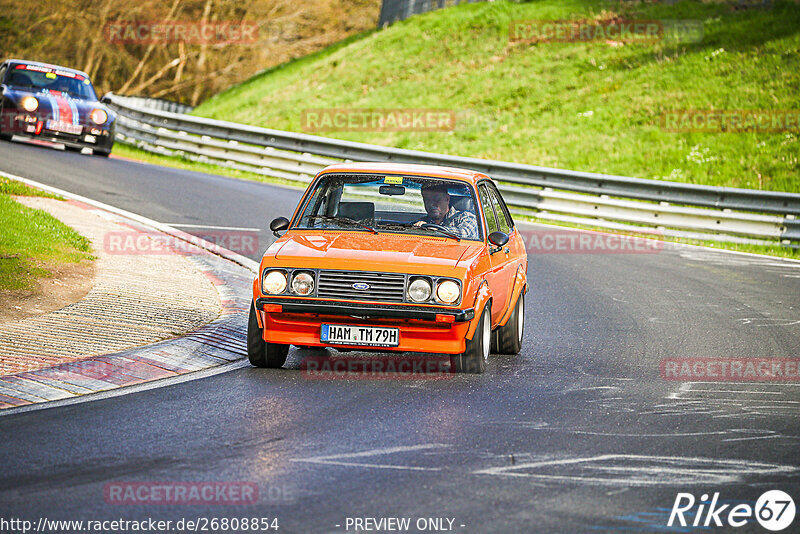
(396, 10)
(600, 200)
(159, 104)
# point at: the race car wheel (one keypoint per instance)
(3, 135)
(509, 337)
(259, 352)
(473, 359)
(101, 153)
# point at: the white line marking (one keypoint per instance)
(667, 470)
(759, 437)
(214, 227)
(333, 459)
(127, 390)
(376, 466)
(375, 452)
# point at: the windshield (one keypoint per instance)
(394, 204)
(50, 80)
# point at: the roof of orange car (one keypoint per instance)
(409, 169)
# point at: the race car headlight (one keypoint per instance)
(98, 116)
(273, 282)
(419, 290)
(29, 104)
(303, 283)
(448, 291)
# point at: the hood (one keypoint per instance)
(365, 251)
(59, 106)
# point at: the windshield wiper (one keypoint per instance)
(441, 230)
(346, 220)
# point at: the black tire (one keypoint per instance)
(473, 359)
(101, 153)
(259, 352)
(3, 135)
(508, 338)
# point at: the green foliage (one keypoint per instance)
(590, 106)
(31, 240)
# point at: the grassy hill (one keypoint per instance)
(591, 106)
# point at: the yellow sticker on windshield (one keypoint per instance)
(86, 81)
(51, 75)
(393, 179)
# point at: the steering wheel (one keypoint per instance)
(435, 226)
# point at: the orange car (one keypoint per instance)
(407, 258)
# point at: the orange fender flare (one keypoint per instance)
(482, 297)
(520, 286)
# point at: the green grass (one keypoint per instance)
(33, 241)
(13, 187)
(579, 106)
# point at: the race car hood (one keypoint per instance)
(59, 106)
(374, 252)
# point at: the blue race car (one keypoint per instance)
(54, 104)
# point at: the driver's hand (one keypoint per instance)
(419, 223)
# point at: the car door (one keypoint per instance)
(513, 253)
(498, 259)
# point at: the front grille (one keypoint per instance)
(385, 287)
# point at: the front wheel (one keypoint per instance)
(473, 359)
(259, 352)
(508, 338)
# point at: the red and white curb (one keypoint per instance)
(214, 348)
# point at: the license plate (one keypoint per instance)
(374, 336)
(58, 126)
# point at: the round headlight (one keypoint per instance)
(274, 282)
(448, 291)
(419, 290)
(99, 116)
(303, 283)
(29, 103)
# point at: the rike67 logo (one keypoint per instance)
(774, 510)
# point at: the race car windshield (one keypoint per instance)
(392, 204)
(51, 81)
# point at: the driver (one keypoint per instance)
(440, 212)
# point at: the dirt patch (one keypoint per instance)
(69, 283)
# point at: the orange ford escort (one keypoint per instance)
(393, 257)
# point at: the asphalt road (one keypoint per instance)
(578, 433)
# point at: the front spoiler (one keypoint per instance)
(324, 307)
(54, 140)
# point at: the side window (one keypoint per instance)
(503, 216)
(488, 211)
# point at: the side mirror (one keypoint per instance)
(106, 98)
(281, 223)
(498, 239)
